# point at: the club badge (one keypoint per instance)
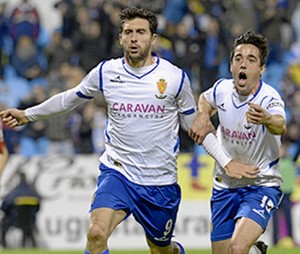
(162, 86)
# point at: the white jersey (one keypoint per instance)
(143, 107)
(246, 143)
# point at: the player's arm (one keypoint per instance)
(202, 131)
(276, 124)
(56, 105)
(232, 168)
(202, 124)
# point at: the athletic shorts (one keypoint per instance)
(154, 207)
(254, 202)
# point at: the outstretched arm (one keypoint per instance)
(56, 105)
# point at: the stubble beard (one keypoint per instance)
(140, 57)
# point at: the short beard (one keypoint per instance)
(139, 58)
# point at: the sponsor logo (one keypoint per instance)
(139, 110)
(247, 126)
(221, 107)
(161, 86)
(117, 80)
(261, 213)
(237, 134)
(274, 104)
(162, 239)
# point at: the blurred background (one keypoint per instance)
(49, 46)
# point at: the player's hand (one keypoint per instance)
(257, 115)
(200, 128)
(14, 117)
(237, 170)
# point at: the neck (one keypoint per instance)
(149, 60)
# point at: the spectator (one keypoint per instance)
(24, 21)
(28, 62)
(22, 196)
(3, 35)
(271, 21)
(186, 48)
(59, 50)
(295, 21)
(59, 132)
(67, 10)
(85, 129)
(90, 45)
(212, 54)
(33, 140)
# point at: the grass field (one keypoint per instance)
(41, 251)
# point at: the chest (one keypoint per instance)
(155, 89)
(232, 116)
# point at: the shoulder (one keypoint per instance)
(163, 63)
(111, 63)
(270, 98)
(268, 94)
(270, 90)
(223, 86)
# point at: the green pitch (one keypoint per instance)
(40, 251)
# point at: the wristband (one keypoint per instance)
(216, 150)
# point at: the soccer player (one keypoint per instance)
(3, 150)
(146, 98)
(252, 120)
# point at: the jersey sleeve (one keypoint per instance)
(274, 104)
(67, 100)
(89, 87)
(211, 94)
(185, 99)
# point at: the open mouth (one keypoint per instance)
(134, 49)
(242, 76)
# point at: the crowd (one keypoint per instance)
(196, 35)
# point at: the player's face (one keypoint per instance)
(137, 40)
(245, 68)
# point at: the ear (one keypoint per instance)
(154, 37)
(230, 67)
(262, 69)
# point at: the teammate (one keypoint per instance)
(3, 150)
(145, 98)
(252, 120)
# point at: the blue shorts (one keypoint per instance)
(254, 202)
(154, 207)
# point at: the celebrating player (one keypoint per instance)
(252, 120)
(146, 97)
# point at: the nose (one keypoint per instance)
(133, 37)
(243, 64)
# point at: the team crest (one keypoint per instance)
(162, 86)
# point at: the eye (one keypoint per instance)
(141, 31)
(237, 58)
(126, 32)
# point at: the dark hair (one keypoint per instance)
(134, 12)
(257, 40)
